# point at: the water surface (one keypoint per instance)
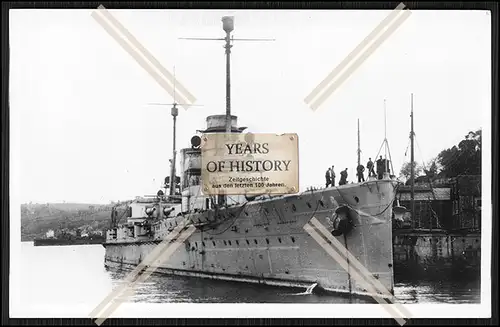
(75, 275)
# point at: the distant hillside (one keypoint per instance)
(37, 219)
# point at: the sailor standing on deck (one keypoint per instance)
(333, 176)
(328, 177)
(343, 177)
(380, 168)
(360, 170)
(369, 166)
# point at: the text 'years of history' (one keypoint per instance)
(239, 164)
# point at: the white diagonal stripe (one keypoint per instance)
(151, 257)
(357, 62)
(354, 53)
(150, 270)
(143, 57)
(374, 37)
(344, 264)
(352, 260)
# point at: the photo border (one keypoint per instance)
(7, 198)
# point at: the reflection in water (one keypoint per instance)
(75, 275)
(161, 289)
(439, 292)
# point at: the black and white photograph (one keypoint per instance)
(243, 163)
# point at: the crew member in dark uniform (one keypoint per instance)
(333, 175)
(360, 172)
(343, 177)
(369, 166)
(328, 177)
(380, 168)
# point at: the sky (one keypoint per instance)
(82, 129)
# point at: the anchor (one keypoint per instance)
(342, 221)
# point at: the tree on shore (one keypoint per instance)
(431, 170)
(406, 170)
(464, 159)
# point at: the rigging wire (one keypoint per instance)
(452, 160)
(395, 188)
(407, 146)
(421, 156)
(431, 209)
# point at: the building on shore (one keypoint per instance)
(445, 233)
(450, 204)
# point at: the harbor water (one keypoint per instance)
(56, 275)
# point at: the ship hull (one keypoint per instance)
(265, 241)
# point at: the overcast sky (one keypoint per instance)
(82, 130)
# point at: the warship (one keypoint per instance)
(261, 238)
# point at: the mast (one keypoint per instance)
(228, 27)
(385, 137)
(385, 145)
(174, 113)
(359, 147)
(412, 168)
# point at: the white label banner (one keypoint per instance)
(249, 164)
